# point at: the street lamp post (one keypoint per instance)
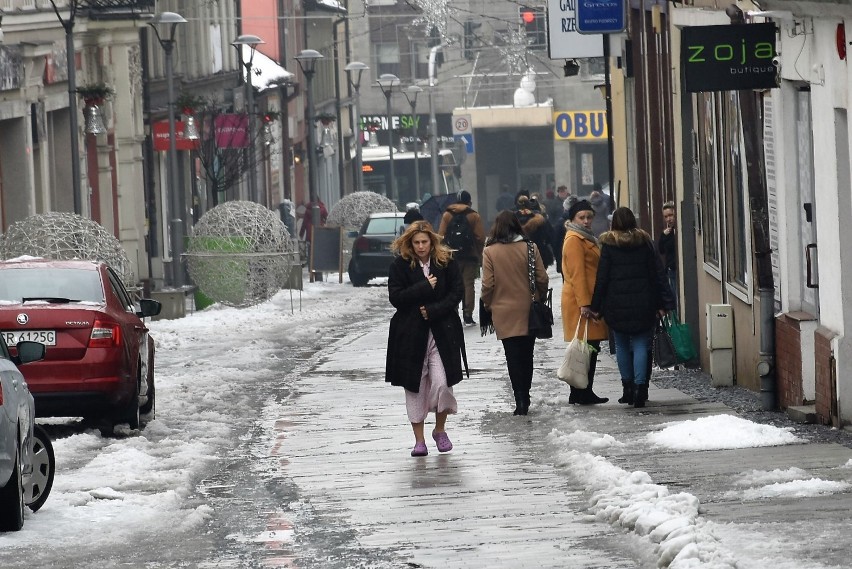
(307, 60)
(251, 41)
(411, 96)
(387, 81)
(170, 21)
(354, 71)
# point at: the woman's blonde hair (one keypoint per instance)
(440, 253)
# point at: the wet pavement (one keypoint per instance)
(504, 496)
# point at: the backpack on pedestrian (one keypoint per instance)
(459, 234)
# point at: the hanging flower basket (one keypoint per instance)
(94, 95)
(326, 118)
(190, 104)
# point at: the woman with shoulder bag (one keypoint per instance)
(580, 256)
(629, 296)
(506, 293)
(426, 338)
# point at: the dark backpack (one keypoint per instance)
(459, 234)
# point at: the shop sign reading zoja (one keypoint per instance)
(729, 58)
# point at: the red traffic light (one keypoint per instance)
(527, 15)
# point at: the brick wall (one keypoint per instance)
(788, 361)
(825, 376)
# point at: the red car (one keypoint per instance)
(99, 362)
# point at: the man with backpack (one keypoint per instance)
(462, 230)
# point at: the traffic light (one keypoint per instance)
(534, 23)
(470, 39)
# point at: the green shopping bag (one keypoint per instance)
(681, 338)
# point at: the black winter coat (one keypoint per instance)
(538, 230)
(627, 288)
(408, 290)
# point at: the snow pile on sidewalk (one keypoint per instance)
(633, 501)
(721, 432)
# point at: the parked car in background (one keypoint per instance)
(99, 361)
(27, 462)
(371, 251)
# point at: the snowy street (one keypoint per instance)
(277, 443)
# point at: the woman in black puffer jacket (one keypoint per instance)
(628, 296)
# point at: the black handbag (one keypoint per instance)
(664, 350)
(541, 311)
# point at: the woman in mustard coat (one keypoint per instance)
(580, 257)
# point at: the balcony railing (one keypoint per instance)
(118, 9)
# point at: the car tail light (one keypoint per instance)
(362, 244)
(1, 395)
(105, 335)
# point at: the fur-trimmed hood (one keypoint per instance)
(530, 221)
(625, 239)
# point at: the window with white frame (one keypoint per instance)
(419, 60)
(387, 58)
(738, 250)
(707, 176)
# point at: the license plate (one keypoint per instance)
(46, 337)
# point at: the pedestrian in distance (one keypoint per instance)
(506, 293)
(553, 204)
(462, 231)
(505, 200)
(536, 228)
(601, 204)
(667, 246)
(306, 232)
(426, 339)
(412, 214)
(560, 229)
(580, 257)
(629, 295)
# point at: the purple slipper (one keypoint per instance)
(420, 449)
(442, 441)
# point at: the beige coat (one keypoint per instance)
(506, 288)
(580, 259)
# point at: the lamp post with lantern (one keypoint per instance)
(411, 96)
(387, 81)
(251, 41)
(354, 71)
(170, 21)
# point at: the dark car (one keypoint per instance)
(27, 462)
(371, 251)
(99, 362)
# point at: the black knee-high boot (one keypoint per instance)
(641, 395)
(627, 393)
(588, 397)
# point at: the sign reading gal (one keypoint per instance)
(729, 58)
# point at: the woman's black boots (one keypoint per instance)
(522, 403)
(641, 395)
(588, 397)
(628, 393)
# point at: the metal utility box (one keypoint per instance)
(720, 326)
(720, 343)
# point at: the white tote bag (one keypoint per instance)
(575, 364)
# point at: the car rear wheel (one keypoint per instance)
(150, 407)
(131, 413)
(12, 498)
(37, 486)
(355, 277)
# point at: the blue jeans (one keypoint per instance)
(631, 353)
